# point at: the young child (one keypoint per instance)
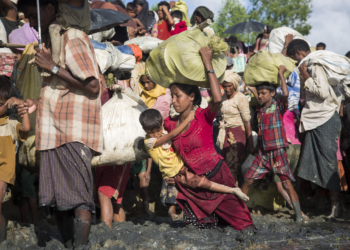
(179, 25)
(158, 145)
(131, 9)
(272, 156)
(9, 132)
(165, 21)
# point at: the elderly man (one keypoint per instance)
(321, 122)
(68, 128)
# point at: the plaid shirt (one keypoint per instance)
(66, 114)
(272, 134)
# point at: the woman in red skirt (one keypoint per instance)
(195, 145)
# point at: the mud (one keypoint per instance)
(274, 231)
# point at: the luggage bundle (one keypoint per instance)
(178, 59)
(264, 67)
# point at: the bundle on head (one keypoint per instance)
(178, 59)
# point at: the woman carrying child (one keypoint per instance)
(272, 156)
(195, 145)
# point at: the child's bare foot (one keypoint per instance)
(238, 192)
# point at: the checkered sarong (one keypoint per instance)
(275, 161)
(66, 180)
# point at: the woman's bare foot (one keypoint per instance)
(305, 217)
(238, 192)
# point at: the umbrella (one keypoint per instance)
(104, 19)
(110, 6)
(245, 27)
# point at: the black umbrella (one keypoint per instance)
(105, 19)
(245, 27)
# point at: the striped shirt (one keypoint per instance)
(66, 114)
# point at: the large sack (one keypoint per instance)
(29, 81)
(178, 59)
(145, 43)
(337, 68)
(278, 37)
(123, 136)
(109, 58)
(264, 67)
(103, 35)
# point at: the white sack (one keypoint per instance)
(123, 136)
(110, 58)
(145, 43)
(278, 37)
(337, 68)
(249, 161)
(103, 35)
(128, 62)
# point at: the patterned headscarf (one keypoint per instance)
(233, 78)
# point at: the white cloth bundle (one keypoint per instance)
(123, 135)
(145, 43)
(128, 62)
(277, 39)
(337, 68)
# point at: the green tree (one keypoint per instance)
(277, 13)
(154, 7)
(230, 14)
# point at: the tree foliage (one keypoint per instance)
(277, 13)
(154, 7)
(230, 14)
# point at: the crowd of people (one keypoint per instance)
(302, 126)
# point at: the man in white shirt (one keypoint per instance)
(321, 122)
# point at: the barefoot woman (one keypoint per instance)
(195, 144)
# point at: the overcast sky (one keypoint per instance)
(330, 21)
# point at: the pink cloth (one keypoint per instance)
(24, 35)
(339, 156)
(289, 126)
(163, 104)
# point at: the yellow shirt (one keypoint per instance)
(164, 156)
(9, 133)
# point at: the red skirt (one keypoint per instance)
(204, 203)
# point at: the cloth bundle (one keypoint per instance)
(264, 67)
(29, 81)
(123, 135)
(145, 43)
(178, 59)
(277, 39)
(110, 58)
(337, 68)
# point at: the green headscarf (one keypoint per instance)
(205, 12)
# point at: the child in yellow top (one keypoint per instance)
(9, 132)
(158, 145)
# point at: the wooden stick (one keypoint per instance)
(12, 45)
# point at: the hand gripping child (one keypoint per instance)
(158, 145)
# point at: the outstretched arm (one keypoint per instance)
(207, 56)
(140, 26)
(176, 131)
(285, 90)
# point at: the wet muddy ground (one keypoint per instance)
(274, 231)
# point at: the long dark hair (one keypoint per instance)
(189, 89)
